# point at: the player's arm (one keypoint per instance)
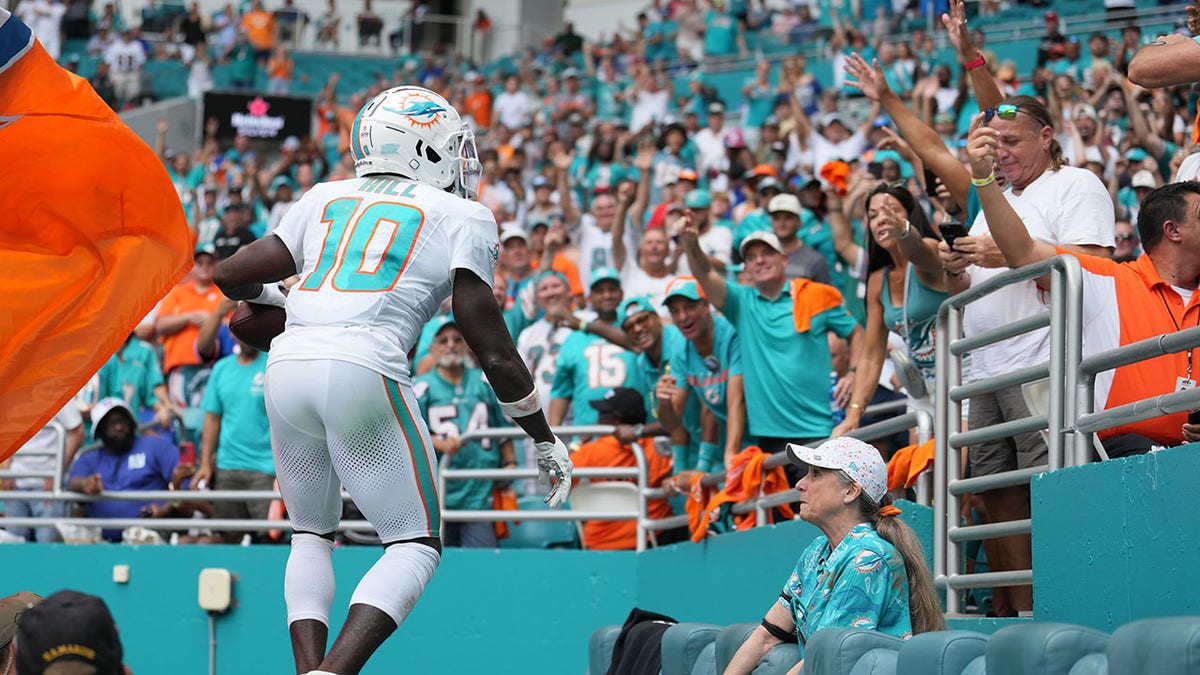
(488, 338)
(263, 261)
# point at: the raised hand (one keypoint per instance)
(554, 463)
(955, 22)
(867, 78)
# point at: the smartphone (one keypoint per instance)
(1194, 416)
(952, 230)
(875, 169)
(930, 183)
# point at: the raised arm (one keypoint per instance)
(644, 163)
(925, 141)
(562, 167)
(1169, 60)
(702, 268)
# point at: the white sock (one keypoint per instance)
(308, 583)
(396, 581)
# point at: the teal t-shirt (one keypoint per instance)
(235, 392)
(760, 103)
(131, 375)
(708, 377)
(720, 33)
(588, 367)
(786, 371)
(452, 410)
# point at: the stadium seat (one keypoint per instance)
(1092, 664)
(706, 661)
(777, 661)
(1042, 648)
(606, 497)
(539, 533)
(683, 644)
(600, 647)
(851, 651)
(945, 652)
(978, 666)
(1167, 645)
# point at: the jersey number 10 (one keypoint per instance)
(367, 249)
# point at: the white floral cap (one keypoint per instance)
(861, 461)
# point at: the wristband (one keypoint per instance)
(583, 325)
(980, 182)
(977, 62)
(638, 429)
(271, 295)
(523, 408)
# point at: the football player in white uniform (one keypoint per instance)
(376, 255)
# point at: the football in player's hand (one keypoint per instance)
(256, 325)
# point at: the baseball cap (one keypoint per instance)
(1050, 16)
(604, 273)
(684, 287)
(570, 72)
(205, 249)
(540, 181)
(688, 174)
(625, 404)
(769, 183)
(513, 233)
(765, 237)
(716, 108)
(291, 143)
(105, 406)
(441, 321)
(698, 199)
(71, 626)
(734, 138)
(281, 181)
(11, 609)
(1135, 154)
(675, 206)
(631, 308)
(784, 203)
(1143, 179)
(861, 461)
(762, 170)
(832, 117)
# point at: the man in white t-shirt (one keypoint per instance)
(512, 107)
(1060, 205)
(833, 139)
(595, 235)
(40, 453)
(125, 59)
(710, 141)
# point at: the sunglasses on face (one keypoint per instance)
(1124, 237)
(712, 363)
(1006, 111)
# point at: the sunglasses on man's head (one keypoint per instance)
(1006, 111)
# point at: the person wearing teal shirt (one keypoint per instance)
(590, 365)
(708, 363)
(455, 400)
(866, 569)
(721, 34)
(783, 328)
(235, 446)
(134, 375)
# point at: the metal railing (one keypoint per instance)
(1065, 322)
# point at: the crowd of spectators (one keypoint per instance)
(664, 240)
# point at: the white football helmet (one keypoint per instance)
(414, 132)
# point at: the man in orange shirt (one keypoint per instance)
(479, 101)
(622, 406)
(259, 26)
(178, 325)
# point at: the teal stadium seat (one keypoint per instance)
(977, 666)
(851, 651)
(777, 661)
(539, 533)
(1152, 646)
(1042, 648)
(944, 652)
(600, 647)
(683, 644)
(706, 661)
(1092, 664)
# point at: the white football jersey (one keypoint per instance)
(376, 257)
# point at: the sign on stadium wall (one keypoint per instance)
(258, 116)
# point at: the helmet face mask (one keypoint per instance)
(415, 133)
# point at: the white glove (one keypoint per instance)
(553, 462)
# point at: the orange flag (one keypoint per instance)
(92, 234)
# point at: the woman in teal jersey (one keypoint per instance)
(905, 287)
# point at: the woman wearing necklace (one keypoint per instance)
(905, 287)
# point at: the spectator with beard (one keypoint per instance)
(124, 462)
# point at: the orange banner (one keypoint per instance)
(92, 234)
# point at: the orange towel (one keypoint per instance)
(908, 463)
(837, 173)
(94, 234)
(504, 499)
(742, 482)
(810, 298)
